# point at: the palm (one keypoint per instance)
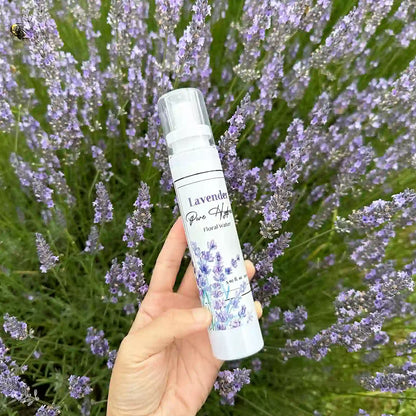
(184, 372)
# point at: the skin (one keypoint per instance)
(165, 365)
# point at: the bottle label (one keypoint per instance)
(215, 249)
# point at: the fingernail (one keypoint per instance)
(201, 314)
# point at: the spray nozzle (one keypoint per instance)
(183, 115)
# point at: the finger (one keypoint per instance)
(259, 309)
(188, 285)
(161, 332)
(250, 269)
(169, 259)
(158, 304)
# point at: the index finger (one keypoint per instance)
(169, 260)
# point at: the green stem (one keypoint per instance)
(63, 399)
(120, 179)
(309, 240)
(259, 241)
(99, 402)
(245, 228)
(61, 283)
(270, 347)
(34, 349)
(92, 185)
(230, 88)
(254, 405)
(373, 396)
(61, 346)
(293, 282)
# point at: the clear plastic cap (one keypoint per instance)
(184, 119)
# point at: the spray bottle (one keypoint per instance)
(210, 229)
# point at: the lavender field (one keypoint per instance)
(313, 109)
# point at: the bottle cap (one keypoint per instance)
(185, 120)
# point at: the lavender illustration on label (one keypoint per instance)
(220, 288)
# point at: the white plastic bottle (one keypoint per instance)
(209, 225)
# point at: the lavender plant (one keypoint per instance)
(312, 105)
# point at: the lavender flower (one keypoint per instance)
(129, 309)
(393, 379)
(59, 70)
(103, 208)
(86, 407)
(168, 15)
(384, 300)
(93, 244)
(256, 363)
(242, 180)
(348, 37)
(255, 22)
(237, 124)
(6, 115)
(16, 329)
(370, 250)
(229, 383)
(271, 75)
(111, 358)
(128, 21)
(46, 257)
(141, 218)
(270, 288)
(273, 316)
(265, 287)
(78, 386)
(11, 384)
(46, 410)
(347, 40)
(98, 344)
(277, 208)
(294, 320)
(380, 212)
(36, 180)
(101, 164)
(385, 295)
(406, 346)
(126, 278)
(3, 349)
(191, 42)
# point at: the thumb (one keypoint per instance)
(161, 332)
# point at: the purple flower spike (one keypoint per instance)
(48, 411)
(229, 383)
(47, 259)
(16, 329)
(141, 218)
(79, 387)
(103, 208)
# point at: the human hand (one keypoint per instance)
(165, 365)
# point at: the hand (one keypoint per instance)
(165, 365)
